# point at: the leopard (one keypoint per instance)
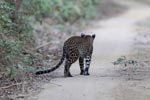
(75, 48)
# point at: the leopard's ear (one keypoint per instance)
(82, 35)
(93, 36)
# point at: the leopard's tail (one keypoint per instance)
(53, 68)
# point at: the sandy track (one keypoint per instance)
(114, 38)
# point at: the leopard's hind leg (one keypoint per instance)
(81, 63)
(67, 69)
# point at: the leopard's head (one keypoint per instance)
(88, 37)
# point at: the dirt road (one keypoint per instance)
(114, 38)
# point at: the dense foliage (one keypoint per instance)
(72, 10)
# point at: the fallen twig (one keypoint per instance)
(43, 45)
(46, 44)
(5, 87)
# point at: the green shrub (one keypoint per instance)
(72, 10)
(124, 61)
(15, 28)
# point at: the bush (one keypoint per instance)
(72, 10)
(124, 61)
(15, 34)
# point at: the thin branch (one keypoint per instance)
(2, 34)
(43, 45)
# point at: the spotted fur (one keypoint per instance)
(76, 47)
